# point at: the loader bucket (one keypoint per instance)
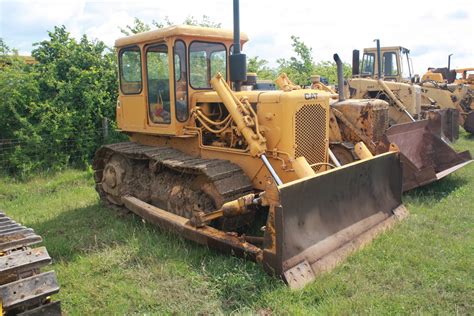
(445, 123)
(425, 156)
(323, 218)
(469, 122)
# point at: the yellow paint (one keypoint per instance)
(284, 125)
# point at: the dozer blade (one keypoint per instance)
(324, 218)
(425, 156)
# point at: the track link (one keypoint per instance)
(24, 289)
(228, 180)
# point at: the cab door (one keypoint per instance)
(160, 100)
(131, 112)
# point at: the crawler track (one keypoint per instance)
(24, 289)
(168, 178)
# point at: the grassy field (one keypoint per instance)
(113, 264)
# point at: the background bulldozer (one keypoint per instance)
(206, 159)
(392, 80)
(360, 128)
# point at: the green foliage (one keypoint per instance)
(205, 21)
(261, 68)
(53, 110)
(328, 69)
(139, 26)
(299, 68)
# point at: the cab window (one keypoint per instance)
(130, 70)
(180, 81)
(206, 60)
(389, 64)
(158, 84)
(368, 64)
(405, 65)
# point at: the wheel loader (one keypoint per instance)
(410, 98)
(209, 161)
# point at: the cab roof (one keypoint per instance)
(179, 30)
(385, 48)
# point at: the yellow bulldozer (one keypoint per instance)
(387, 73)
(206, 159)
(359, 128)
(457, 80)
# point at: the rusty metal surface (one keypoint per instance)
(423, 153)
(22, 286)
(228, 179)
(299, 275)
(24, 259)
(49, 309)
(206, 235)
(469, 122)
(28, 290)
(14, 235)
(362, 120)
(322, 214)
(445, 121)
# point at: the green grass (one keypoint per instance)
(112, 264)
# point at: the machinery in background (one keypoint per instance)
(426, 157)
(359, 128)
(387, 73)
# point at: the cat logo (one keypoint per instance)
(310, 96)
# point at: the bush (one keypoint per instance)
(51, 112)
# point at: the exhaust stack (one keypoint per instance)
(355, 62)
(379, 60)
(340, 77)
(449, 61)
(237, 61)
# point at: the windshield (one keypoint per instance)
(206, 60)
(368, 64)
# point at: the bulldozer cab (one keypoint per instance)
(160, 70)
(395, 61)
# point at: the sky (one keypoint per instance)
(430, 29)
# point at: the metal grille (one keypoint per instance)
(310, 133)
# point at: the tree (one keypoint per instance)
(261, 68)
(328, 70)
(299, 68)
(205, 21)
(139, 26)
(54, 109)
